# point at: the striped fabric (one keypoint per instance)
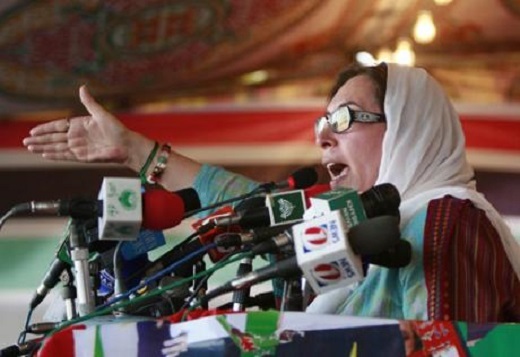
(467, 273)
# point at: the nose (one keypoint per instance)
(325, 139)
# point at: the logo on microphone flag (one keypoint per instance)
(327, 274)
(334, 273)
(314, 238)
(122, 209)
(324, 254)
(286, 207)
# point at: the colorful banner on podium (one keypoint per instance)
(271, 333)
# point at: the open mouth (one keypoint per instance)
(337, 170)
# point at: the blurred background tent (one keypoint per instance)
(236, 83)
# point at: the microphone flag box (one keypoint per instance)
(285, 207)
(122, 208)
(344, 200)
(324, 254)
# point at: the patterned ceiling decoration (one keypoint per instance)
(119, 47)
(134, 52)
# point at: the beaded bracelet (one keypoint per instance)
(160, 165)
(149, 159)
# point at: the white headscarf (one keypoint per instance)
(424, 157)
(424, 150)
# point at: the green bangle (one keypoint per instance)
(149, 159)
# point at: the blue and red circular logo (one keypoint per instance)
(327, 274)
(314, 238)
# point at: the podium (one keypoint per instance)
(274, 333)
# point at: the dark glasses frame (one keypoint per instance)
(341, 119)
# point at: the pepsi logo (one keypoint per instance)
(314, 238)
(327, 274)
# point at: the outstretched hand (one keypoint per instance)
(98, 137)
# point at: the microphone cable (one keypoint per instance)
(185, 241)
(203, 280)
(115, 306)
(302, 178)
(158, 275)
(221, 203)
(23, 334)
(19, 208)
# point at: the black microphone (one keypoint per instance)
(269, 239)
(380, 200)
(49, 281)
(80, 208)
(285, 269)
(385, 228)
(253, 236)
(22, 349)
(397, 256)
(376, 235)
(299, 179)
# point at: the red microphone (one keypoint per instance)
(314, 191)
(164, 209)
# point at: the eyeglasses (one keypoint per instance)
(342, 118)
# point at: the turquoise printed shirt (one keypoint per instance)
(394, 293)
(214, 184)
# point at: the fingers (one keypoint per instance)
(56, 126)
(58, 151)
(93, 107)
(62, 156)
(45, 139)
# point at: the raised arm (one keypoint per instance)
(101, 138)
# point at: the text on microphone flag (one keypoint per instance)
(345, 200)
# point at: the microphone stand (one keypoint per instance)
(199, 267)
(79, 254)
(241, 296)
(293, 297)
(69, 295)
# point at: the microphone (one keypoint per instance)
(159, 209)
(27, 348)
(279, 208)
(329, 251)
(286, 268)
(299, 179)
(254, 236)
(324, 253)
(272, 239)
(164, 209)
(397, 256)
(383, 199)
(207, 234)
(380, 200)
(226, 221)
(49, 281)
